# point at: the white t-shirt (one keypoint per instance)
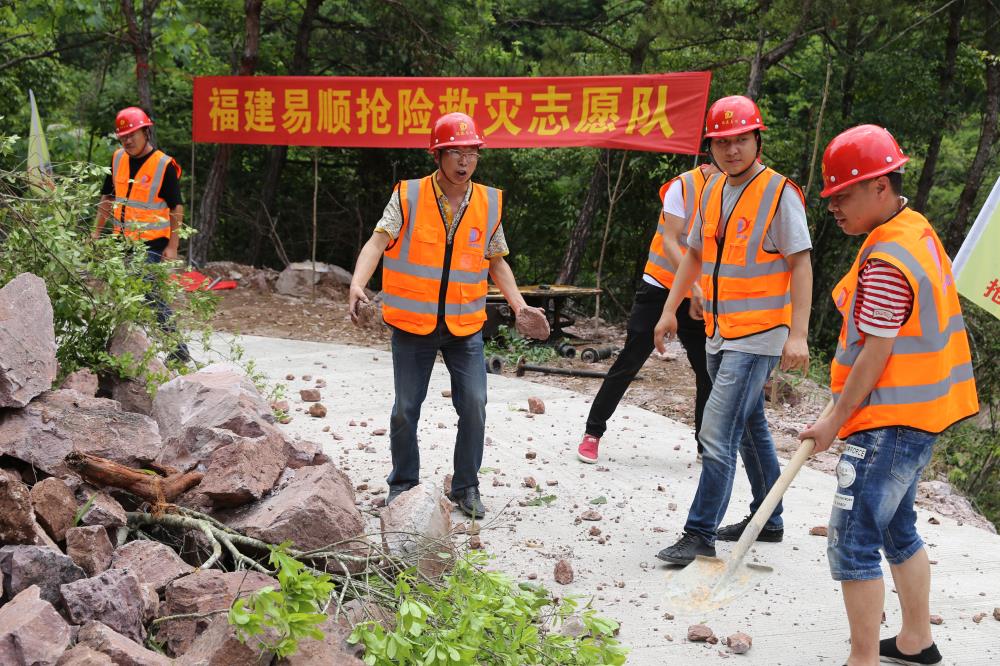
(673, 204)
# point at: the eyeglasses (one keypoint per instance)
(458, 155)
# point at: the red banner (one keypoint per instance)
(657, 112)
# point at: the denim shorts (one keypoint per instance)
(877, 478)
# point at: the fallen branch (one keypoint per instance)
(152, 487)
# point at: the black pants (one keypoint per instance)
(646, 311)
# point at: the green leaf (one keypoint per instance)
(599, 500)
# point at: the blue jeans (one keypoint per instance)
(164, 313)
(413, 359)
(734, 420)
(877, 480)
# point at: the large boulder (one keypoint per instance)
(123, 652)
(218, 645)
(27, 341)
(17, 518)
(316, 508)
(298, 278)
(133, 393)
(114, 598)
(90, 548)
(57, 422)
(82, 381)
(32, 633)
(25, 566)
(83, 655)
(202, 411)
(154, 563)
(54, 505)
(332, 650)
(203, 592)
(416, 527)
(243, 471)
(104, 509)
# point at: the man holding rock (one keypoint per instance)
(902, 374)
(441, 237)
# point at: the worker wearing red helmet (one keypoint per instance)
(902, 374)
(749, 245)
(142, 198)
(440, 237)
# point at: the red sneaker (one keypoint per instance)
(587, 451)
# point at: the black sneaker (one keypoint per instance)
(469, 502)
(735, 531)
(685, 550)
(889, 654)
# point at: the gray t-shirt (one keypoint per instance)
(788, 234)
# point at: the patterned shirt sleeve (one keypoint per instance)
(884, 300)
(498, 244)
(392, 217)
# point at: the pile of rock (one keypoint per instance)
(73, 588)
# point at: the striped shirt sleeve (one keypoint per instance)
(884, 300)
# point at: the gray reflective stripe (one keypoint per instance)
(154, 186)
(144, 226)
(753, 304)
(908, 395)
(119, 154)
(492, 211)
(749, 271)
(687, 178)
(930, 339)
(426, 307)
(662, 262)
(142, 205)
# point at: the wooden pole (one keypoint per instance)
(191, 208)
(819, 126)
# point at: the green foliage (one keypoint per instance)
(481, 616)
(511, 345)
(279, 619)
(95, 286)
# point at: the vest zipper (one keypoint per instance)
(449, 246)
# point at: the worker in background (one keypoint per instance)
(441, 236)
(142, 198)
(677, 198)
(749, 244)
(902, 374)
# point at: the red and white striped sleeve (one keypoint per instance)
(884, 301)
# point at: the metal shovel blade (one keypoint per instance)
(709, 583)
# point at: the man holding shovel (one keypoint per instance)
(750, 245)
(901, 375)
(441, 238)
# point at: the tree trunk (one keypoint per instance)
(762, 60)
(215, 183)
(276, 155)
(851, 72)
(140, 35)
(956, 230)
(945, 85)
(153, 488)
(585, 223)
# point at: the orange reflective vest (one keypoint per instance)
(424, 276)
(138, 211)
(927, 383)
(658, 265)
(746, 287)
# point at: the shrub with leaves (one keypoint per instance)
(511, 345)
(479, 616)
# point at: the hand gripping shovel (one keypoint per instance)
(710, 582)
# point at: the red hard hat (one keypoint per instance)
(455, 129)
(131, 119)
(860, 153)
(733, 115)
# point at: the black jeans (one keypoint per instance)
(646, 311)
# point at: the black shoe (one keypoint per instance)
(396, 491)
(180, 355)
(735, 531)
(685, 550)
(469, 502)
(889, 654)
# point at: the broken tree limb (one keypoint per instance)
(150, 486)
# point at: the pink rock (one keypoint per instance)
(104, 510)
(819, 530)
(739, 643)
(27, 341)
(26, 566)
(332, 650)
(529, 482)
(699, 633)
(17, 519)
(244, 471)
(564, 572)
(90, 548)
(133, 392)
(154, 563)
(114, 598)
(590, 514)
(58, 422)
(122, 651)
(218, 645)
(317, 410)
(31, 631)
(310, 395)
(416, 527)
(54, 505)
(202, 592)
(82, 381)
(536, 406)
(82, 655)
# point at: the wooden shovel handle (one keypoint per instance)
(774, 495)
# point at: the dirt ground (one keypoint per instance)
(666, 386)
